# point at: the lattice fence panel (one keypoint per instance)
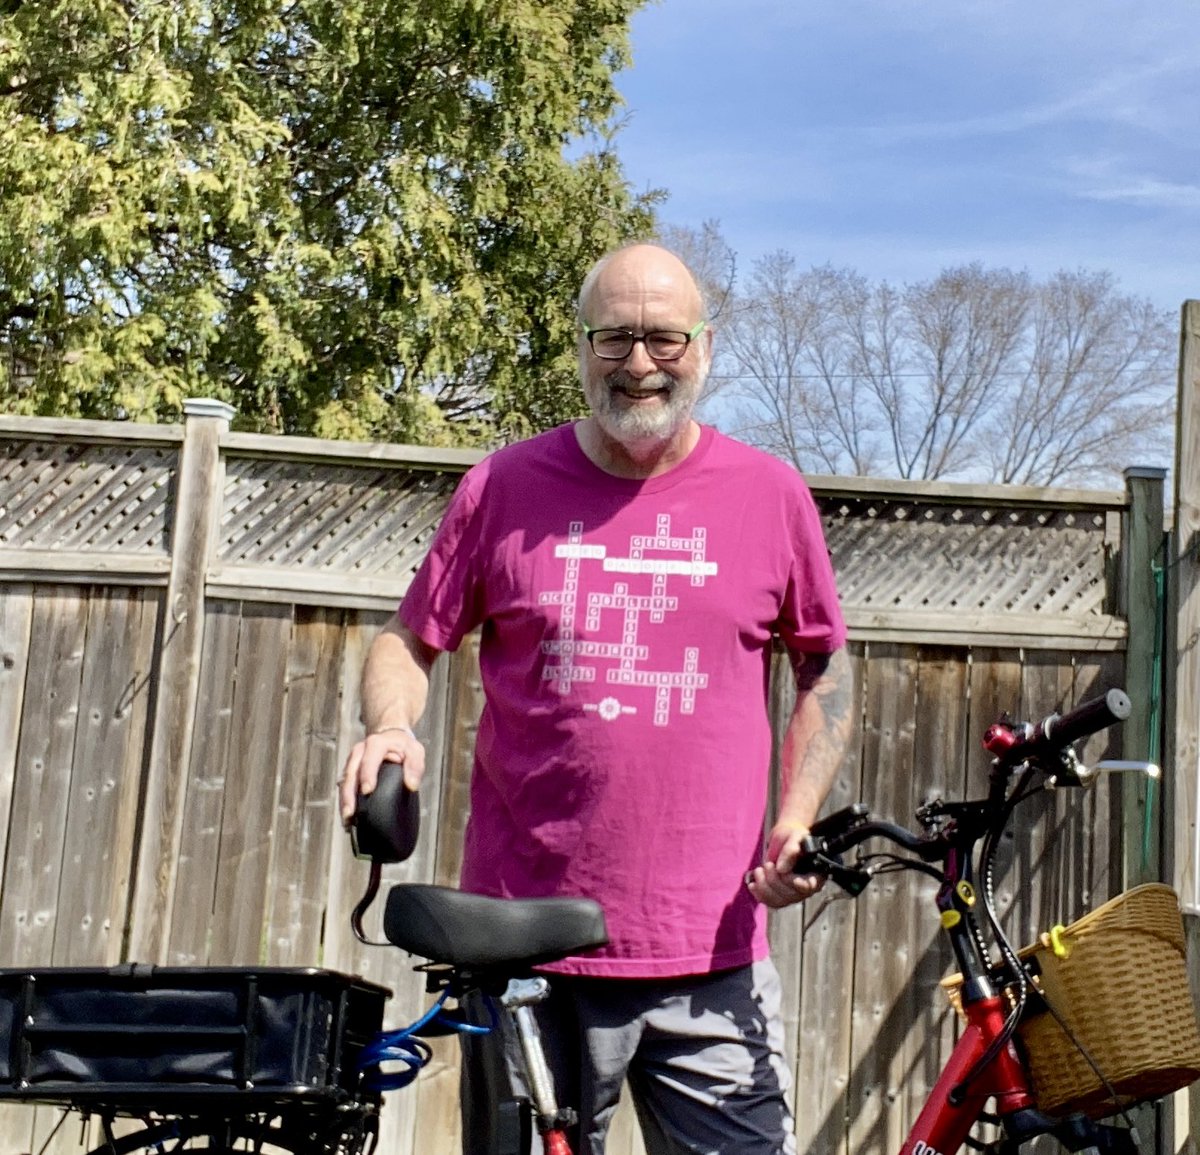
(903, 554)
(338, 519)
(70, 496)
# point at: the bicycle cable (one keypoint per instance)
(403, 1046)
(987, 857)
(53, 1131)
(1013, 963)
(1021, 980)
(360, 909)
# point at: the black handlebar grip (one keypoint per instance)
(1062, 730)
(387, 821)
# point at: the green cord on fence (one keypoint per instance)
(1155, 713)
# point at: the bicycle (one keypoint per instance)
(1003, 995)
(1017, 1049)
(283, 1061)
(493, 946)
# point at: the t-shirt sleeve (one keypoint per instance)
(445, 600)
(810, 618)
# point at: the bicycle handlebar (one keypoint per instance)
(1053, 734)
(833, 835)
(1043, 744)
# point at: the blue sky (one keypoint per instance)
(902, 137)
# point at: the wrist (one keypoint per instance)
(389, 729)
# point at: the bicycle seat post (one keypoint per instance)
(518, 1000)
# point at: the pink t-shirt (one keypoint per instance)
(624, 746)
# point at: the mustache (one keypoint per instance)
(621, 379)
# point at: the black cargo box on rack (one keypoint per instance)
(143, 1035)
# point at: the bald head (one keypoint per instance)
(637, 268)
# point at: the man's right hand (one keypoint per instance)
(361, 771)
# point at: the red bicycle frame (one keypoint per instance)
(948, 1115)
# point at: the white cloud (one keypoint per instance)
(1149, 191)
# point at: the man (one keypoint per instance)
(630, 572)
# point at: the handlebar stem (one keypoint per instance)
(956, 901)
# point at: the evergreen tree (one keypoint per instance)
(353, 218)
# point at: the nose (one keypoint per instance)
(639, 363)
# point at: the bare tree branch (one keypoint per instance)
(981, 374)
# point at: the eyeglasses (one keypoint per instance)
(662, 345)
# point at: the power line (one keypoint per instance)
(1168, 375)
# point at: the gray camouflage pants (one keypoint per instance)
(703, 1056)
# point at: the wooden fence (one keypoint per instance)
(183, 615)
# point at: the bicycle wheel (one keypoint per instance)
(252, 1135)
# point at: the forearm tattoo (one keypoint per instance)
(828, 676)
(823, 720)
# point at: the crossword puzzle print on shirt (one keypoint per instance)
(617, 643)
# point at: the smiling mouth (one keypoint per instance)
(641, 394)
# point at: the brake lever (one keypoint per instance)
(1124, 766)
(852, 879)
(1075, 773)
(1070, 772)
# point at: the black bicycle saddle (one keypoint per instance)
(448, 926)
(477, 933)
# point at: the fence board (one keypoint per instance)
(347, 881)
(939, 751)
(204, 795)
(304, 822)
(41, 791)
(434, 1100)
(105, 787)
(995, 690)
(1102, 840)
(785, 934)
(197, 483)
(42, 795)
(347, 877)
(16, 623)
(466, 700)
(452, 716)
(1047, 685)
(431, 1107)
(825, 982)
(885, 912)
(248, 803)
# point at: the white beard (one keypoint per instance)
(656, 421)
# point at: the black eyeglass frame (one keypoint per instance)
(634, 338)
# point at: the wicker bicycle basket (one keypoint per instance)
(1118, 980)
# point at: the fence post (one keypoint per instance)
(198, 490)
(1185, 583)
(1183, 675)
(1141, 734)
